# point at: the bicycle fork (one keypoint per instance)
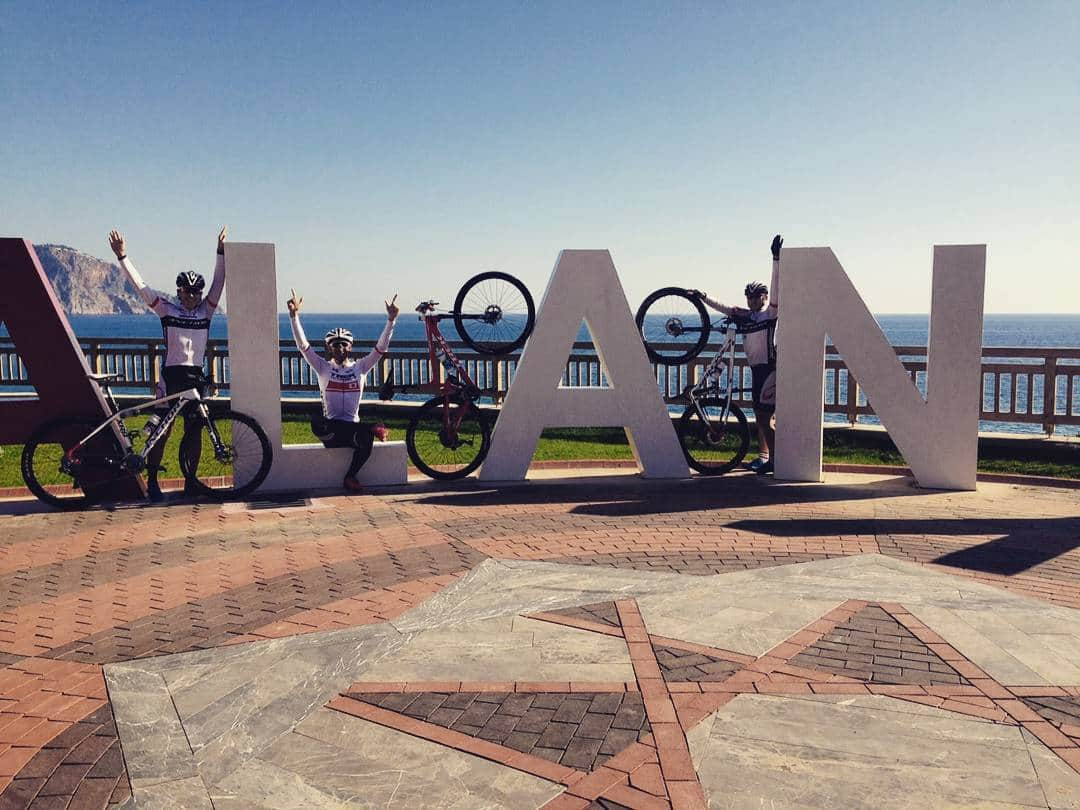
(221, 450)
(450, 437)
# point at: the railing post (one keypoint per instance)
(1049, 394)
(96, 359)
(852, 397)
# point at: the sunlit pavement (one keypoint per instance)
(575, 641)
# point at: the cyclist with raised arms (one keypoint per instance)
(757, 325)
(186, 327)
(341, 383)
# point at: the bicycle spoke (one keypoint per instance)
(70, 483)
(493, 313)
(716, 443)
(237, 465)
(674, 326)
(447, 441)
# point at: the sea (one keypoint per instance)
(1043, 331)
(1040, 331)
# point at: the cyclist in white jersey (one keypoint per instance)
(757, 325)
(186, 328)
(341, 383)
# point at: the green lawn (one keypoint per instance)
(592, 443)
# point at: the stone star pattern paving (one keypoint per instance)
(87, 589)
(860, 648)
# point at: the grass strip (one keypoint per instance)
(578, 444)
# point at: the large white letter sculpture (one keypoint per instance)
(938, 436)
(255, 381)
(584, 286)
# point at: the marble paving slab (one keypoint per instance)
(240, 726)
(833, 752)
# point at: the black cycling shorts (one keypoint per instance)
(184, 378)
(339, 433)
(763, 390)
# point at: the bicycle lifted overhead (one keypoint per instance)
(69, 462)
(449, 436)
(712, 430)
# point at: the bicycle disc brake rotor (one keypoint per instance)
(712, 436)
(451, 439)
(674, 327)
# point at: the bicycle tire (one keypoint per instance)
(217, 478)
(671, 305)
(507, 307)
(706, 450)
(439, 455)
(43, 451)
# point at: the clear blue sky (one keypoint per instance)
(403, 146)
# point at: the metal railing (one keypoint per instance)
(1018, 382)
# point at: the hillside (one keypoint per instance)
(87, 285)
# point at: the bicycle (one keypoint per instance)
(712, 430)
(67, 462)
(449, 436)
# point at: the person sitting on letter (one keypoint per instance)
(341, 383)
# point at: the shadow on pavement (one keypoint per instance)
(1017, 545)
(627, 496)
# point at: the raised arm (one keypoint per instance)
(119, 247)
(774, 282)
(302, 343)
(213, 295)
(382, 345)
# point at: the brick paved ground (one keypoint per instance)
(86, 589)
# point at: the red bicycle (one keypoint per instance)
(450, 435)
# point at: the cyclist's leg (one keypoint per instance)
(153, 458)
(191, 442)
(362, 439)
(764, 397)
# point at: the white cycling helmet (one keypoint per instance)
(339, 335)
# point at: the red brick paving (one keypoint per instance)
(101, 586)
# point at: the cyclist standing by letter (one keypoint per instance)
(341, 383)
(186, 327)
(757, 325)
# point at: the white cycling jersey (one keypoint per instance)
(186, 330)
(757, 328)
(341, 386)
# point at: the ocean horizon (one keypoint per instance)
(904, 329)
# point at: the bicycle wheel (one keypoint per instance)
(239, 468)
(447, 443)
(715, 445)
(69, 485)
(674, 326)
(494, 313)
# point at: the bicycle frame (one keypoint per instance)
(708, 385)
(180, 401)
(437, 344)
